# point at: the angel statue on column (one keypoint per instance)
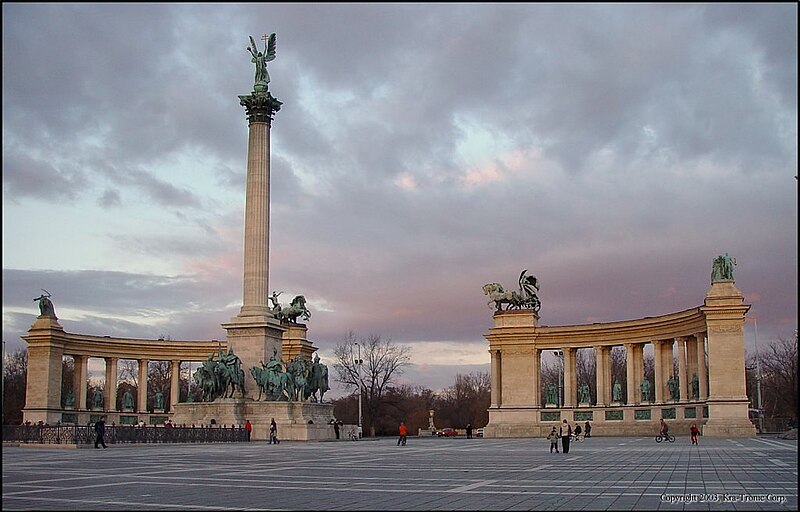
(260, 59)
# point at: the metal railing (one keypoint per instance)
(121, 434)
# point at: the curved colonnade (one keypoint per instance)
(708, 342)
(48, 343)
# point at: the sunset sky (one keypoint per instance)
(422, 151)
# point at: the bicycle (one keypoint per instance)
(578, 438)
(353, 435)
(665, 437)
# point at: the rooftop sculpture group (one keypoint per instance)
(46, 308)
(526, 298)
(722, 269)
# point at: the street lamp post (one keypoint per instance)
(758, 380)
(359, 362)
(560, 355)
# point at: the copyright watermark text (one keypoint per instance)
(722, 498)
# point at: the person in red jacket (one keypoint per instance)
(403, 433)
(694, 431)
(249, 428)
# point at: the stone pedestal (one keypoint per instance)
(727, 396)
(294, 343)
(297, 421)
(46, 339)
(253, 339)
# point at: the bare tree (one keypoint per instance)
(383, 361)
(779, 378)
(15, 371)
(129, 372)
(466, 401)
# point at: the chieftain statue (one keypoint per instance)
(526, 298)
(220, 378)
(297, 381)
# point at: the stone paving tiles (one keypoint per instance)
(428, 474)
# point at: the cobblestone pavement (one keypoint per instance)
(426, 474)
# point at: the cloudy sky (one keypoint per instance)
(421, 152)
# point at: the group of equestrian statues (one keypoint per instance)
(296, 381)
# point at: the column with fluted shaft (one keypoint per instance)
(254, 333)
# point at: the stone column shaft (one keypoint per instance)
(537, 386)
(701, 365)
(691, 362)
(496, 379)
(111, 383)
(175, 384)
(667, 366)
(630, 372)
(79, 378)
(256, 222)
(141, 405)
(658, 371)
(683, 381)
(601, 357)
(569, 377)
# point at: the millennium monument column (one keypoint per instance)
(254, 333)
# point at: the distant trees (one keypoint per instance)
(778, 363)
(466, 401)
(15, 370)
(370, 364)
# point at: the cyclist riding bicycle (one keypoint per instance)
(664, 428)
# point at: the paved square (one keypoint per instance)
(427, 474)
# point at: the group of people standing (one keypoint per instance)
(565, 433)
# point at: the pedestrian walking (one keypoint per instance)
(694, 431)
(273, 432)
(336, 428)
(553, 437)
(403, 433)
(587, 429)
(565, 432)
(249, 428)
(469, 430)
(100, 431)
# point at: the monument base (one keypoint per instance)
(296, 421)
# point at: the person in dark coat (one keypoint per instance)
(100, 431)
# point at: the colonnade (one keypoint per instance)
(48, 343)
(707, 341)
(80, 388)
(691, 355)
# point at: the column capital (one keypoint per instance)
(260, 107)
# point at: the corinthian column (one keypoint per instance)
(260, 109)
(254, 333)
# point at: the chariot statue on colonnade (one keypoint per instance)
(526, 298)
